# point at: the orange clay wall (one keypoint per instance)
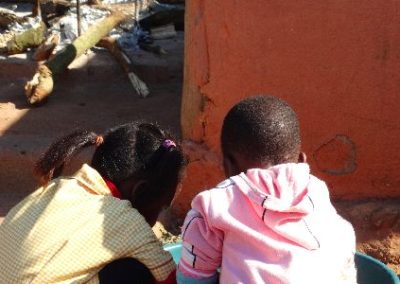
(337, 63)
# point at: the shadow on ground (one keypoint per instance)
(95, 94)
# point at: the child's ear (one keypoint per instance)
(302, 157)
(230, 166)
(227, 165)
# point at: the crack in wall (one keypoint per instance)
(337, 156)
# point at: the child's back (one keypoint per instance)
(95, 226)
(271, 221)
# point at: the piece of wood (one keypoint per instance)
(37, 11)
(27, 39)
(8, 17)
(140, 86)
(4, 39)
(112, 46)
(41, 86)
(78, 17)
(94, 2)
(46, 49)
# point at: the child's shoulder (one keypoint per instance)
(215, 197)
(224, 184)
(220, 189)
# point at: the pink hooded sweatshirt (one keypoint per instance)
(267, 226)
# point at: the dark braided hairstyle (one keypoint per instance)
(136, 150)
(129, 151)
(263, 129)
(60, 152)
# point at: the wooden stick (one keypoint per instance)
(111, 45)
(78, 17)
(37, 12)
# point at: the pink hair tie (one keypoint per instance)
(168, 144)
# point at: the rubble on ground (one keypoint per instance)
(54, 35)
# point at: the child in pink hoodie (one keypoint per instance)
(271, 221)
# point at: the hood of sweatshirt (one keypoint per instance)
(280, 196)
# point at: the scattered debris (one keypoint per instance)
(139, 85)
(163, 32)
(53, 29)
(68, 27)
(42, 84)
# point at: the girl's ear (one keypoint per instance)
(302, 157)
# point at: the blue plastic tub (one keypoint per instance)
(369, 269)
(175, 250)
(372, 271)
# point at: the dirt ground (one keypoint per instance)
(94, 94)
(377, 226)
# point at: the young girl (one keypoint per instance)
(96, 224)
(271, 221)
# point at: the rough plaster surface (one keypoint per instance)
(335, 62)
